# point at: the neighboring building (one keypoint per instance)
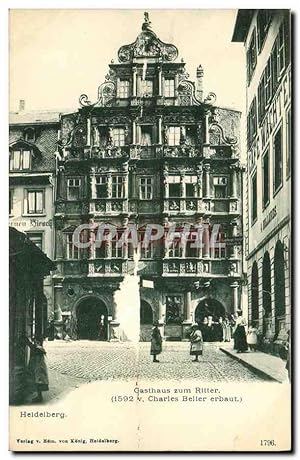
(33, 143)
(152, 149)
(28, 266)
(266, 37)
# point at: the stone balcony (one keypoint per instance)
(205, 267)
(108, 206)
(202, 205)
(167, 267)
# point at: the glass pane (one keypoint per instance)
(16, 159)
(39, 201)
(31, 202)
(26, 159)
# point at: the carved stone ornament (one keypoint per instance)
(147, 44)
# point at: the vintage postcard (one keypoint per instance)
(150, 230)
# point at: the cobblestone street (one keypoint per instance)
(73, 363)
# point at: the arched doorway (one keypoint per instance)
(266, 285)
(279, 287)
(92, 319)
(209, 307)
(146, 321)
(254, 293)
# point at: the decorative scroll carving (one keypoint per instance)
(147, 44)
(210, 98)
(217, 137)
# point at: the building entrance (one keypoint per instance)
(92, 320)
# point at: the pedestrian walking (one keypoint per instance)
(37, 368)
(156, 342)
(252, 337)
(226, 330)
(196, 340)
(240, 342)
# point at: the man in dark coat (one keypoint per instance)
(156, 342)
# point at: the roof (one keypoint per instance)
(242, 24)
(25, 253)
(34, 117)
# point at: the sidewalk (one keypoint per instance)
(267, 366)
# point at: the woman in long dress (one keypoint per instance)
(196, 340)
(240, 341)
(156, 342)
(37, 368)
(226, 330)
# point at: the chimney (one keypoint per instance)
(22, 105)
(199, 83)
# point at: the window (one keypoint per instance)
(191, 135)
(251, 56)
(174, 190)
(117, 187)
(288, 142)
(266, 178)
(189, 190)
(146, 188)
(175, 247)
(147, 253)
(219, 248)
(191, 251)
(20, 160)
(220, 186)
(119, 137)
(254, 198)
(146, 135)
(29, 135)
(11, 201)
(169, 87)
(263, 22)
(73, 189)
(277, 159)
(252, 122)
(73, 252)
(35, 201)
(116, 251)
(123, 89)
(268, 82)
(174, 135)
(147, 87)
(36, 238)
(101, 186)
(280, 42)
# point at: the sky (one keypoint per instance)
(57, 55)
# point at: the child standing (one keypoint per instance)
(252, 337)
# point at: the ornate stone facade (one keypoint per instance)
(151, 149)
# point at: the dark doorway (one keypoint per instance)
(146, 313)
(92, 320)
(254, 293)
(279, 286)
(209, 307)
